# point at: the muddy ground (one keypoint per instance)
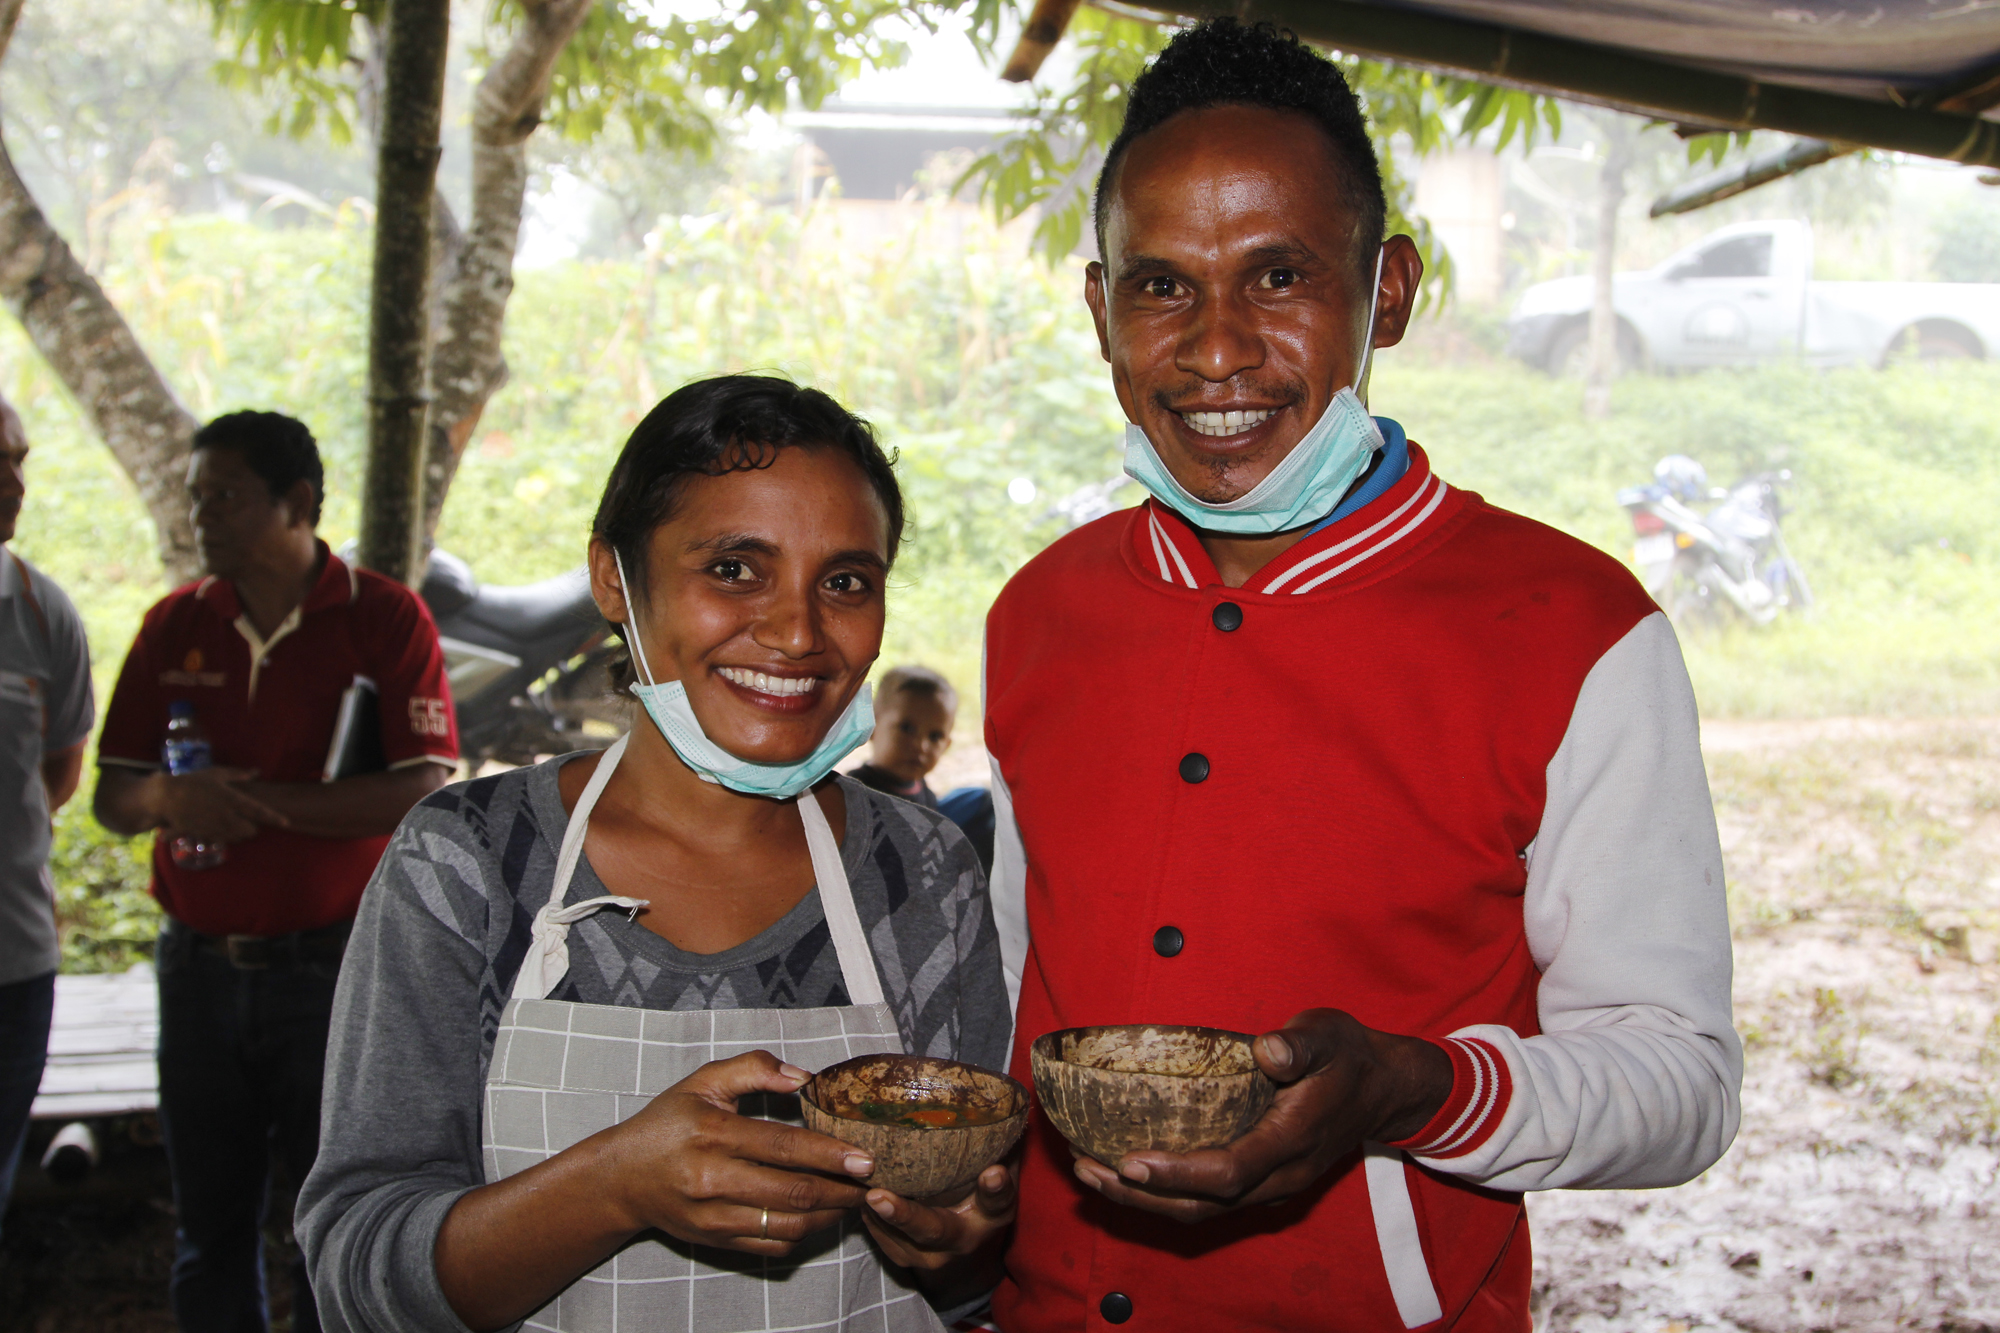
(1863, 1193)
(1864, 864)
(95, 1258)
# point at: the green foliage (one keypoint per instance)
(110, 105)
(1896, 480)
(671, 81)
(1051, 164)
(82, 523)
(104, 916)
(1433, 111)
(977, 364)
(633, 187)
(311, 46)
(976, 361)
(1967, 236)
(235, 316)
(1712, 148)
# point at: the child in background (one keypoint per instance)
(914, 710)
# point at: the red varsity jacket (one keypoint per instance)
(1388, 775)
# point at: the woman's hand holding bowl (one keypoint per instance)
(690, 1166)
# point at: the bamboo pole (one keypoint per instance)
(1733, 180)
(1039, 36)
(1980, 93)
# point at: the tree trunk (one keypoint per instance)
(1603, 365)
(75, 326)
(96, 355)
(399, 307)
(468, 365)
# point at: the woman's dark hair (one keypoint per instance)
(1220, 62)
(278, 448)
(712, 427)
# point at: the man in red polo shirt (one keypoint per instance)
(1410, 785)
(281, 653)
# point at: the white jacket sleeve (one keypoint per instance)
(1008, 888)
(1635, 1078)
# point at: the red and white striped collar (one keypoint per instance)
(1165, 546)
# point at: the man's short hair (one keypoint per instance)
(276, 447)
(920, 680)
(1220, 62)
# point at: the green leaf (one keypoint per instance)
(1051, 163)
(1712, 148)
(672, 81)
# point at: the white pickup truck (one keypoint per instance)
(1746, 294)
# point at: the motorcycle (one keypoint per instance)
(530, 666)
(1694, 564)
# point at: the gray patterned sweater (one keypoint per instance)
(442, 931)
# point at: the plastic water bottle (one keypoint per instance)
(186, 751)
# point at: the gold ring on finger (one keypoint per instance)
(764, 1227)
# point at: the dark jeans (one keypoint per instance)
(25, 1009)
(241, 1058)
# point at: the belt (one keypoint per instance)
(254, 953)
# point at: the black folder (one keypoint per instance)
(357, 734)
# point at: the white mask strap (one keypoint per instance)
(631, 629)
(1368, 347)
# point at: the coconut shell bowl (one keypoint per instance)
(931, 1125)
(1115, 1090)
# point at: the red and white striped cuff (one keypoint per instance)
(1481, 1087)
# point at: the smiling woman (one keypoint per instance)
(759, 533)
(576, 1156)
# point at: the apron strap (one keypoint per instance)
(857, 962)
(547, 961)
(579, 820)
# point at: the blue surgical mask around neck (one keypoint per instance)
(668, 706)
(1307, 482)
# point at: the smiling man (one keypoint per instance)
(1410, 785)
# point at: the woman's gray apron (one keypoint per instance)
(562, 1072)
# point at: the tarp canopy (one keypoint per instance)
(1904, 75)
(1862, 50)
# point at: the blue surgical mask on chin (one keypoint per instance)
(1307, 483)
(668, 706)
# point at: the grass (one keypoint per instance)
(1896, 481)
